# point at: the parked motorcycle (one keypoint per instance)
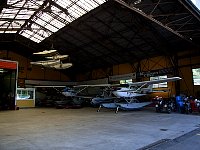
(163, 105)
(187, 106)
(195, 105)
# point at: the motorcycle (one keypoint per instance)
(163, 105)
(197, 102)
(196, 105)
(187, 106)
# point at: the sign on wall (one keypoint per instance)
(8, 64)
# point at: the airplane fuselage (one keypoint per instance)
(127, 93)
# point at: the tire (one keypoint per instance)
(168, 110)
(157, 110)
(186, 109)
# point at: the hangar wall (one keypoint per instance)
(185, 70)
(32, 72)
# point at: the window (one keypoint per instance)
(125, 81)
(196, 76)
(25, 94)
(159, 85)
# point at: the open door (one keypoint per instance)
(8, 84)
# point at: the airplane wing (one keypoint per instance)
(134, 84)
(46, 63)
(155, 81)
(56, 57)
(96, 85)
(45, 52)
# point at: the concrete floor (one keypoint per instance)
(86, 129)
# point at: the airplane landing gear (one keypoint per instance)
(117, 110)
(99, 109)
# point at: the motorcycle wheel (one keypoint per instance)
(157, 110)
(186, 109)
(168, 110)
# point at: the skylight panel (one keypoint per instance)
(99, 1)
(26, 12)
(69, 19)
(19, 22)
(15, 24)
(22, 16)
(51, 28)
(46, 22)
(196, 3)
(40, 21)
(10, 31)
(76, 11)
(49, 16)
(36, 39)
(17, 13)
(25, 34)
(2, 23)
(57, 24)
(45, 17)
(8, 13)
(55, 10)
(87, 6)
(84, 5)
(65, 3)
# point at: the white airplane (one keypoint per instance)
(129, 94)
(55, 60)
(137, 89)
(134, 90)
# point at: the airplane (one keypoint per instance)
(54, 60)
(128, 94)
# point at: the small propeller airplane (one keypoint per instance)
(54, 60)
(128, 94)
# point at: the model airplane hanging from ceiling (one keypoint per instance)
(54, 60)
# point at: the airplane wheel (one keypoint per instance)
(98, 110)
(117, 110)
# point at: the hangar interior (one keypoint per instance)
(103, 38)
